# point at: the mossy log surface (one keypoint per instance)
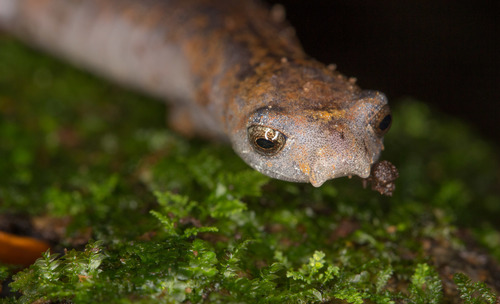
(136, 213)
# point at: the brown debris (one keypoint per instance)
(382, 178)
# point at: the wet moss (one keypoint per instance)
(150, 216)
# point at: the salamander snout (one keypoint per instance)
(346, 156)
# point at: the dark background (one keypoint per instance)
(442, 52)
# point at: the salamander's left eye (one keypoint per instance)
(265, 140)
(382, 120)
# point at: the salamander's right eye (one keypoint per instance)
(382, 121)
(265, 140)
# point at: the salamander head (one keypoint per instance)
(315, 142)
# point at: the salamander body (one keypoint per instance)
(232, 70)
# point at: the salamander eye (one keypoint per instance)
(381, 122)
(266, 140)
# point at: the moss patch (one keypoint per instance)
(149, 216)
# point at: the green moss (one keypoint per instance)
(425, 286)
(474, 293)
(178, 220)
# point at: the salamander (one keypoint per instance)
(231, 70)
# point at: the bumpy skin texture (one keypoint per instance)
(225, 66)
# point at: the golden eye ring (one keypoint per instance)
(266, 140)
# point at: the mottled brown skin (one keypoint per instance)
(225, 66)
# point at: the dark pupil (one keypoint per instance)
(264, 143)
(385, 123)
